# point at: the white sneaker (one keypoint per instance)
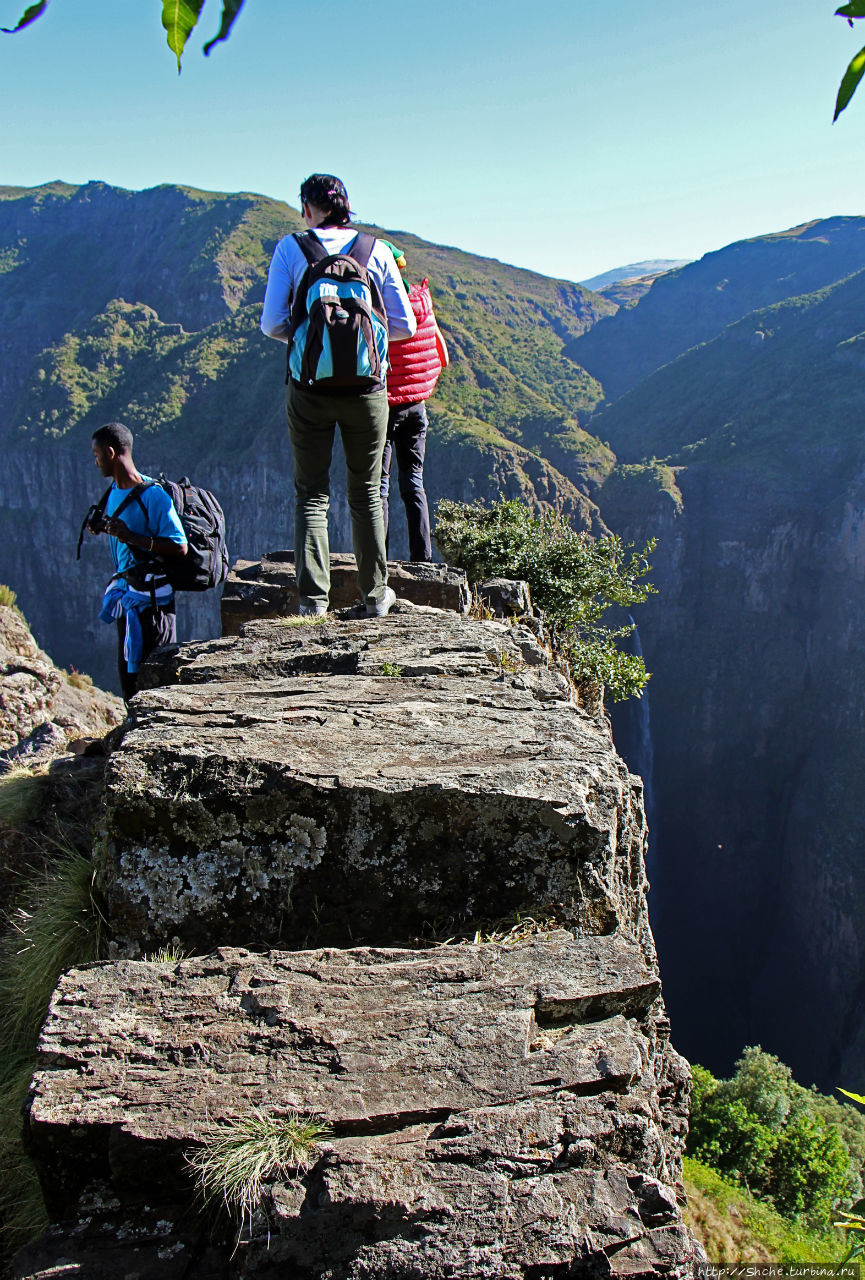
(312, 610)
(381, 608)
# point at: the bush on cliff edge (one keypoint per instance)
(792, 1145)
(573, 577)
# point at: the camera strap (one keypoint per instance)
(97, 511)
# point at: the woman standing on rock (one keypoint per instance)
(415, 366)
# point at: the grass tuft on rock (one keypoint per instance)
(78, 679)
(241, 1155)
(22, 795)
(57, 928)
(305, 620)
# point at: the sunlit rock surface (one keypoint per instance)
(351, 792)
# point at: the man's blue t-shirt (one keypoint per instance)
(160, 521)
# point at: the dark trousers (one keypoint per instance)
(158, 627)
(312, 421)
(406, 438)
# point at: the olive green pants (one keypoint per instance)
(362, 421)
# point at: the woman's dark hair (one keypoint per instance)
(115, 434)
(327, 193)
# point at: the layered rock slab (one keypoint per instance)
(366, 806)
(495, 1110)
(267, 588)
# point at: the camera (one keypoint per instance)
(95, 519)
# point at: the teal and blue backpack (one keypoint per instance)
(337, 337)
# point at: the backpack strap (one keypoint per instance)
(310, 246)
(134, 495)
(98, 509)
(314, 251)
(361, 248)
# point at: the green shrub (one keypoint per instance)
(763, 1129)
(574, 578)
(7, 596)
(811, 1169)
(727, 1136)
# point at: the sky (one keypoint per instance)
(566, 136)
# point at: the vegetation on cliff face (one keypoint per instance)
(800, 1150)
(153, 317)
(774, 395)
(736, 1227)
(573, 578)
(696, 303)
(56, 927)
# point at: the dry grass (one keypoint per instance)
(22, 795)
(507, 932)
(241, 1156)
(733, 1226)
(78, 679)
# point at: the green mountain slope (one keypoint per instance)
(694, 304)
(779, 393)
(145, 305)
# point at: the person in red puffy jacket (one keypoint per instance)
(415, 365)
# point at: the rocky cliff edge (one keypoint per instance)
(411, 869)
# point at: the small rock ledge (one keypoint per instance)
(305, 807)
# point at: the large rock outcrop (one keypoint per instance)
(50, 795)
(506, 1106)
(394, 772)
(41, 706)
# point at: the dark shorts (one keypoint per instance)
(158, 627)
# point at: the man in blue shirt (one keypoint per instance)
(138, 597)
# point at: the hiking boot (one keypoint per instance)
(381, 608)
(316, 610)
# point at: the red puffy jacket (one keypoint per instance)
(416, 362)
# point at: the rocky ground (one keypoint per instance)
(304, 807)
(49, 793)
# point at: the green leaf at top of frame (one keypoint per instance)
(29, 15)
(855, 9)
(178, 18)
(857, 1097)
(230, 10)
(849, 85)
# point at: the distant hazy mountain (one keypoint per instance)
(651, 267)
(694, 303)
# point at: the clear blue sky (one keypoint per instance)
(569, 136)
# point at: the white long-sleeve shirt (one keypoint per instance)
(288, 265)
